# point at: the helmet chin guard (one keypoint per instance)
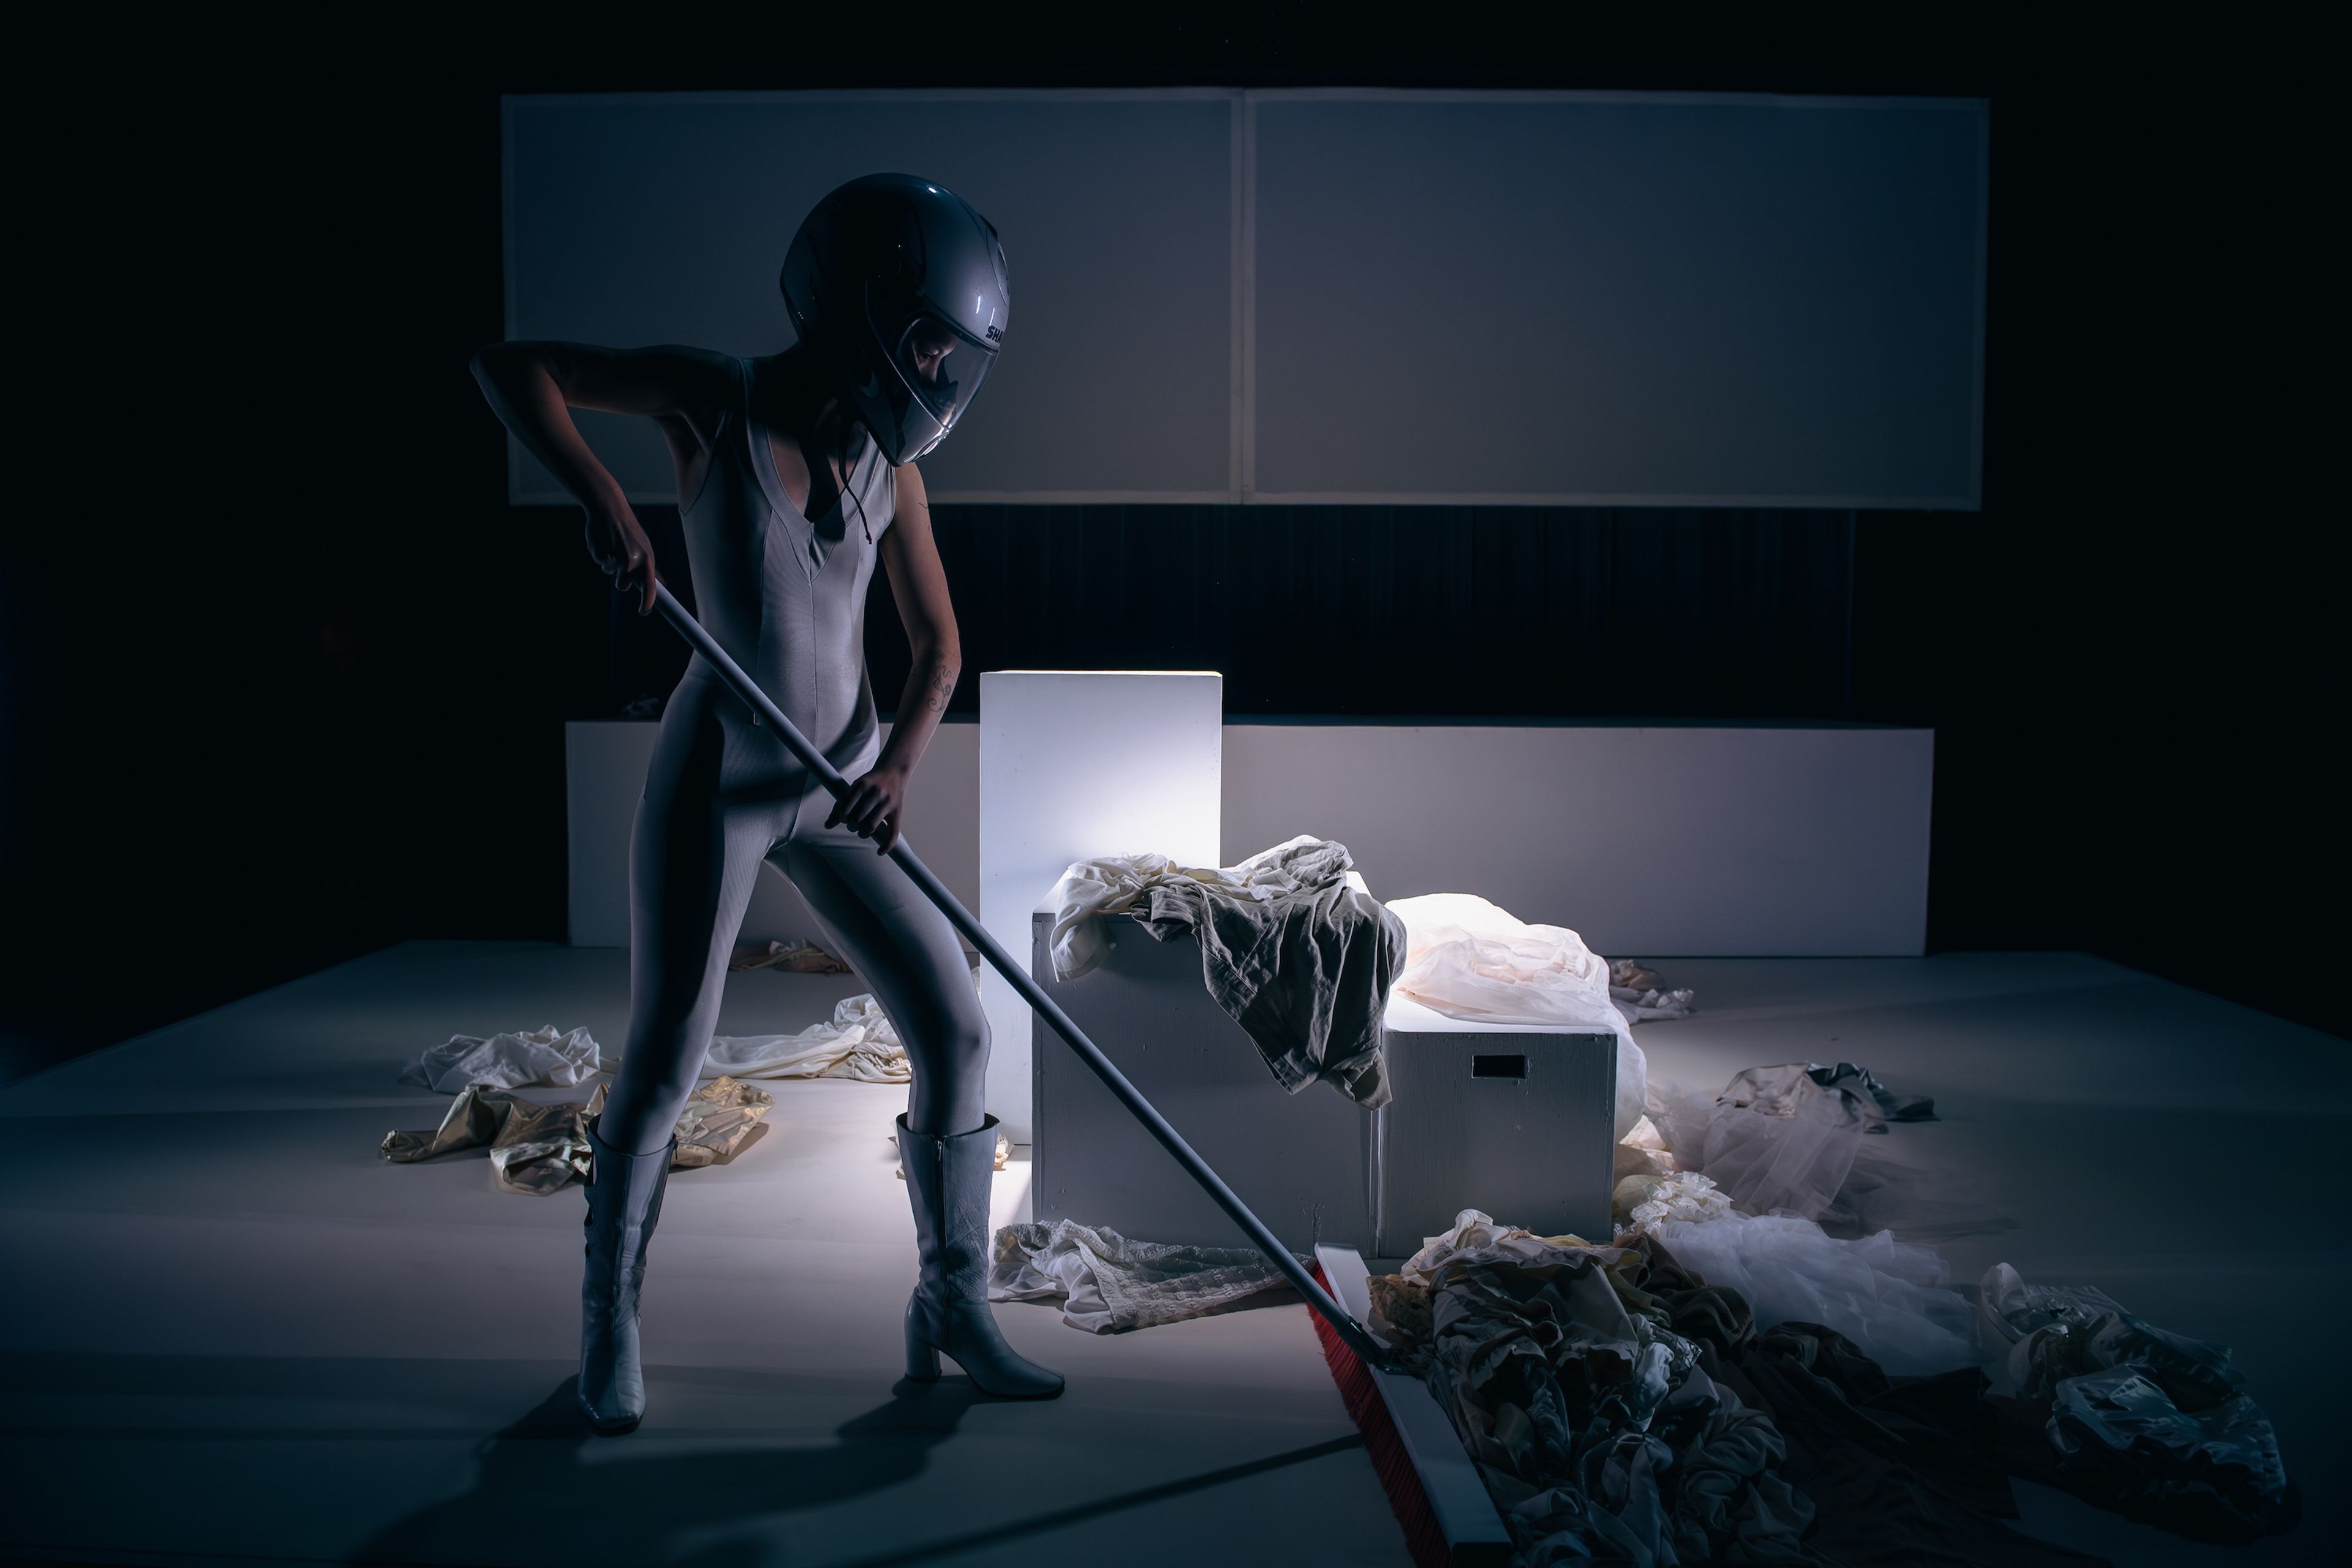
(901, 288)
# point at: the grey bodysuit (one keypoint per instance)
(785, 596)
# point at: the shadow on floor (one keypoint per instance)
(544, 1490)
(541, 1486)
(538, 1491)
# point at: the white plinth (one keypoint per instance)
(1077, 764)
(1302, 1162)
(1514, 1119)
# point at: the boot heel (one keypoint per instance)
(948, 1187)
(923, 1358)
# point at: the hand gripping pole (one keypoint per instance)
(1366, 1348)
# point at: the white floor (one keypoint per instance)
(232, 1332)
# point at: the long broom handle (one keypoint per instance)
(1265, 1240)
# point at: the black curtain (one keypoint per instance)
(1379, 611)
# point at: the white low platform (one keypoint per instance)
(1318, 1169)
(1302, 1162)
(229, 1332)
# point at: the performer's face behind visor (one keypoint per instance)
(943, 366)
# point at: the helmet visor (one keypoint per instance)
(943, 366)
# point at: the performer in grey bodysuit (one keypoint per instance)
(795, 476)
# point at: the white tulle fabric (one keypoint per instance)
(1467, 958)
(1887, 1297)
(857, 1042)
(1774, 1139)
(516, 1059)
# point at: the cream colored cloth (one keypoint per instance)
(1467, 958)
(1642, 997)
(539, 1149)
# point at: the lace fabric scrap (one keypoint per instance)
(1642, 1203)
(1107, 1283)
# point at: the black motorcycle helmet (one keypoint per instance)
(902, 286)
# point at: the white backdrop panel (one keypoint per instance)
(1595, 298)
(1650, 841)
(1655, 841)
(1074, 764)
(652, 218)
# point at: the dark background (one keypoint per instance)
(283, 676)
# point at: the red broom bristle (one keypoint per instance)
(1390, 1461)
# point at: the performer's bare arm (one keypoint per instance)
(919, 584)
(534, 386)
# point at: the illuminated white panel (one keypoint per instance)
(1073, 764)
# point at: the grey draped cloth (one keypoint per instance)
(1292, 946)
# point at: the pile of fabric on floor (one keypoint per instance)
(2152, 1424)
(857, 1042)
(1624, 1407)
(2095, 1400)
(540, 1149)
(1107, 1284)
(1641, 994)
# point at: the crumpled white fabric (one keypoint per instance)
(1475, 1234)
(1467, 958)
(1644, 1202)
(1642, 997)
(1107, 1283)
(512, 1060)
(1889, 1297)
(857, 1042)
(1113, 884)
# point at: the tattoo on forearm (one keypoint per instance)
(942, 687)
